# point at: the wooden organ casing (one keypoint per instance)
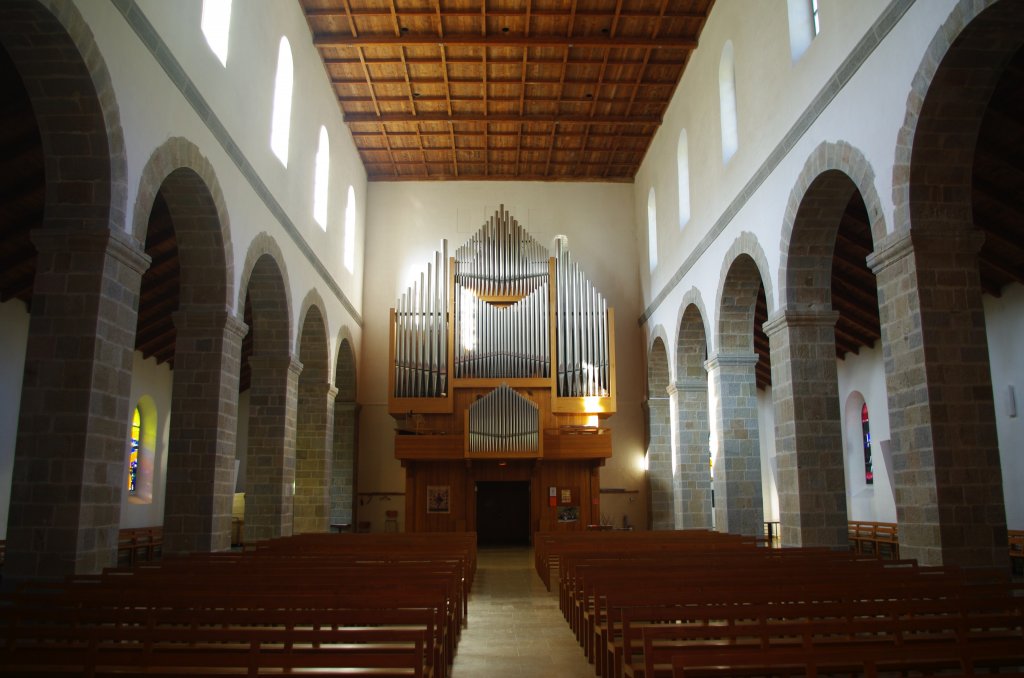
(502, 367)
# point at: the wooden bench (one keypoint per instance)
(1016, 543)
(340, 607)
(874, 538)
(613, 591)
(139, 545)
(861, 625)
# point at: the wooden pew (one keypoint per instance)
(139, 545)
(874, 538)
(613, 591)
(238, 613)
(863, 625)
(1016, 543)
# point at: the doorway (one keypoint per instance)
(503, 513)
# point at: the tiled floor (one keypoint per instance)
(515, 629)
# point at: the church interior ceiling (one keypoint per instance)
(619, 88)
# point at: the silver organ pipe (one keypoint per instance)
(501, 342)
(421, 333)
(504, 421)
(501, 330)
(581, 329)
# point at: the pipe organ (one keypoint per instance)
(501, 355)
(503, 420)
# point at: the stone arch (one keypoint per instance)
(273, 395)
(84, 272)
(692, 480)
(828, 200)
(187, 181)
(744, 270)
(314, 349)
(659, 438)
(732, 373)
(78, 110)
(830, 175)
(345, 459)
(265, 284)
(948, 479)
(346, 366)
(178, 187)
(948, 95)
(315, 422)
(692, 341)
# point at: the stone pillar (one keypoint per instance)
(270, 465)
(313, 456)
(947, 474)
(738, 496)
(808, 428)
(693, 475)
(343, 468)
(203, 428)
(72, 441)
(659, 464)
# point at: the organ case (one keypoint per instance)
(502, 352)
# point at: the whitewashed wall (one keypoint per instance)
(153, 110)
(774, 95)
(405, 225)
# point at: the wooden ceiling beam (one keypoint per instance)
(496, 12)
(494, 133)
(496, 60)
(385, 118)
(341, 40)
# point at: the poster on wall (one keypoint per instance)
(438, 497)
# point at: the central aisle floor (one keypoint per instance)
(515, 628)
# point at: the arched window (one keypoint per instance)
(282, 114)
(320, 178)
(652, 229)
(142, 443)
(216, 25)
(350, 230)
(683, 163)
(803, 25)
(727, 102)
(133, 456)
(869, 475)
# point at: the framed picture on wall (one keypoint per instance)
(438, 498)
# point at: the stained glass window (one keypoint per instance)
(869, 476)
(133, 458)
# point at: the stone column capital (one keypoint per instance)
(719, 360)
(114, 242)
(897, 246)
(202, 318)
(275, 362)
(689, 386)
(800, 318)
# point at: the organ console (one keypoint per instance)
(502, 352)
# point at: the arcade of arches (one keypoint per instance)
(147, 260)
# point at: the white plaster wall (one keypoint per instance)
(769, 460)
(13, 340)
(1004, 322)
(406, 222)
(772, 94)
(862, 380)
(150, 379)
(867, 113)
(153, 110)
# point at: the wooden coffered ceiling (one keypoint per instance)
(551, 90)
